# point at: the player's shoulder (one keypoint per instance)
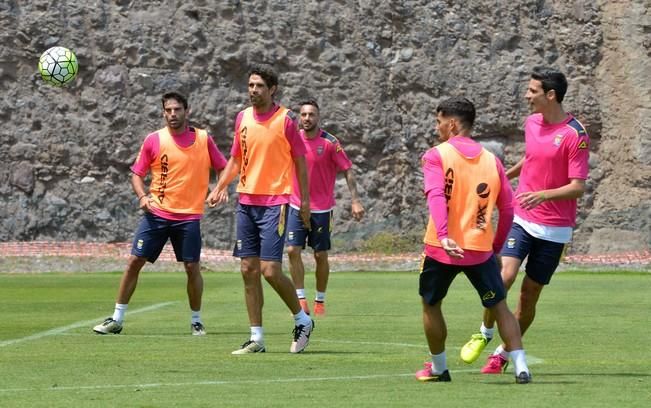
(329, 137)
(534, 118)
(247, 110)
(292, 115)
(155, 135)
(433, 153)
(577, 127)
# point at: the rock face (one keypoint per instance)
(377, 68)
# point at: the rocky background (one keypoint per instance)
(378, 69)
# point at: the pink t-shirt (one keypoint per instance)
(434, 180)
(554, 154)
(295, 143)
(325, 158)
(149, 152)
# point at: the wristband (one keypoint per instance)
(140, 198)
(542, 196)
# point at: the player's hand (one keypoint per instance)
(145, 203)
(217, 197)
(357, 210)
(451, 248)
(305, 214)
(530, 199)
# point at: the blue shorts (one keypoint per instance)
(542, 256)
(153, 232)
(260, 231)
(318, 237)
(436, 278)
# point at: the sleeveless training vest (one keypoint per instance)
(267, 162)
(180, 175)
(471, 190)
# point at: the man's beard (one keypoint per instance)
(178, 124)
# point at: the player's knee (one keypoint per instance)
(135, 264)
(294, 251)
(321, 256)
(192, 269)
(509, 272)
(249, 272)
(508, 282)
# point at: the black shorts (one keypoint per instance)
(542, 256)
(318, 237)
(436, 278)
(260, 231)
(153, 232)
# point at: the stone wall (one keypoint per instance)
(378, 69)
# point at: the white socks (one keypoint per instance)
(320, 296)
(500, 350)
(257, 334)
(196, 316)
(302, 318)
(519, 361)
(487, 332)
(439, 363)
(118, 313)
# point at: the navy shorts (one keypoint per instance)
(542, 256)
(318, 237)
(260, 231)
(153, 232)
(436, 278)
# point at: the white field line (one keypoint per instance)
(63, 329)
(531, 360)
(198, 383)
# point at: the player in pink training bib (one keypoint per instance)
(552, 177)
(325, 159)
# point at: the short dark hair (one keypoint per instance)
(309, 102)
(551, 79)
(265, 72)
(176, 96)
(460, 108)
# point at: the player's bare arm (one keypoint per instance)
(356, 209)
(138, 185)
(514, 171)
(573, 190)
(301, 175)
(219, 194)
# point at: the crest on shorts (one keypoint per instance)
(488, 295)
(510, 243)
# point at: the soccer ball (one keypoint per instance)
(58, 66)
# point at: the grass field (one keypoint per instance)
(589, 347)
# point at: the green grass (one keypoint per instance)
(589, 346)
